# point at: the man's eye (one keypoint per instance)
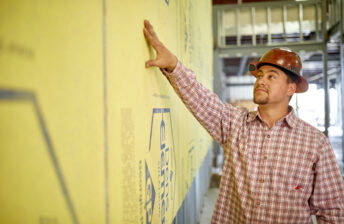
(272, 77)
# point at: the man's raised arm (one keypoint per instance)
(207, 108)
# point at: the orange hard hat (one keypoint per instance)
(286, 60)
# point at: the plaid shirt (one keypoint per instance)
(278, 175)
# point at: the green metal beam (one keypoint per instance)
(258, 50)
(264, 4)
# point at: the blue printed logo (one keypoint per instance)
(161, 142)
(150, 196)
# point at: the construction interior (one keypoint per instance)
(89, 135)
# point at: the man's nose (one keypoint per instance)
(261, 80)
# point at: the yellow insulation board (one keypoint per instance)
(88, 134)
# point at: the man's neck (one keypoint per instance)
(272, 113)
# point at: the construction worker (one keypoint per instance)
(277, 168)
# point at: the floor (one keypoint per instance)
(209, 203)
(210, 198)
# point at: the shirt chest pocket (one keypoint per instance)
(294, 183)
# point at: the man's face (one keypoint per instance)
(271, 86)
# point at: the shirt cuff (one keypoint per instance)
(176, 69)
(180, 75)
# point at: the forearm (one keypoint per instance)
(201, 102)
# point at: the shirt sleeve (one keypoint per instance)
(209, 110)
(327, 201)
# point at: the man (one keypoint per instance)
(277, 168)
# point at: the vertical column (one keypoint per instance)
(221, 41)
(238, 26)
(217, 25)
(342, 86)
(326, 89)
(268, 11)
(316, 21)
(342, 69)
(284, 22)
(332, 12)
(325, 76)
(300, 21)
(218, 75)
(253, 22)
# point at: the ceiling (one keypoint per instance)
(219, 2)
(312, 62)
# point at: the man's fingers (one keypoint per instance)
(150, 34)
(156, 44)
(148, 26)
(151, 31)
(146, 22)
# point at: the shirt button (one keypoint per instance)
(268, 136)
(265, 157)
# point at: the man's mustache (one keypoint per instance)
(260, 88)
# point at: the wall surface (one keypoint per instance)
(88, 134)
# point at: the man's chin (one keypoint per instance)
(260, 101)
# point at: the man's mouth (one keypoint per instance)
(260, 90)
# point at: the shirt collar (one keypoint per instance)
(290, 118)
(252, 115)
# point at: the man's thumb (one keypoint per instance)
(150, 63)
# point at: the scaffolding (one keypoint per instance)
(244, 29)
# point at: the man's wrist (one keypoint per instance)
(173, 64)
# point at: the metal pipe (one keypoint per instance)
(326, 90)
(219, 28)
(253, 22)
(284, 22)
(316, 22)
(324, 48)
(215, 28)
(238, 26)
(269, 23)
(300, 21)
(342, 70)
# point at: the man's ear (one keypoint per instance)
(291, 88)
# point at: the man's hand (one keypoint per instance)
(164, 58)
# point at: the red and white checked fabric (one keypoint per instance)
(278, 175)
